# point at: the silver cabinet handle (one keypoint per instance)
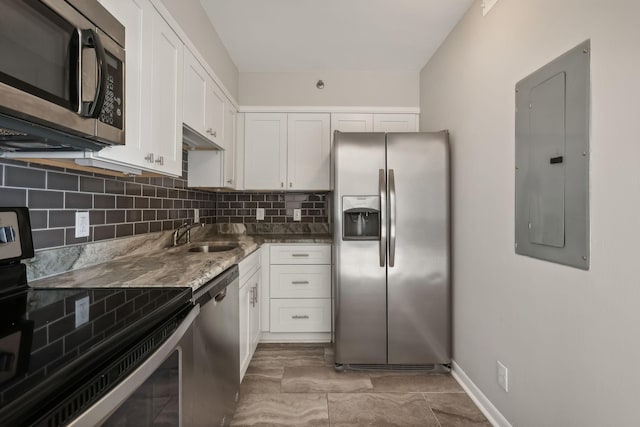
(392, 218)
(300, 282)
(149, 158)
(229, 181)
(255, 294)
(160, 160)
(210, 130)
(281, 184)
(252, 299)
(300, 255)
(290, 184)
(298, 316)
(383, 221)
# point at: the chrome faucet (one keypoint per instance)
(177, 234)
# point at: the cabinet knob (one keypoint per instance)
(210, 130)
(290, 184)
(160, 160)
(281, 184)
(214, 133)
(149, 157)
(229, 181)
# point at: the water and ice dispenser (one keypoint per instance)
(360, 218)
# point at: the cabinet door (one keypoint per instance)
(195, 85)
(308, 148)
(395, 123)
(229, 172)
(244, 313)
(347, 122)
(164, 103)
(265, 151)
(214, 114)
(254, 316)
(134, 15)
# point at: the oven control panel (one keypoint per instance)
(15, 235)
(9, 236)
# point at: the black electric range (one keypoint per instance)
(61, 350)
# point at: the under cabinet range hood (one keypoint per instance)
(61, 76)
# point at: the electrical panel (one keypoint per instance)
(552, 160)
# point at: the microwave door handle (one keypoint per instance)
(75, 70)
(90, 39)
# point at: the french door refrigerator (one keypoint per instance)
(391, 249)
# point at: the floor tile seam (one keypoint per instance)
(426, 401)
(326, 396)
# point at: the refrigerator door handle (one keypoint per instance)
(392, 218)
(383, 219)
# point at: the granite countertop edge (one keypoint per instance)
(171, 267)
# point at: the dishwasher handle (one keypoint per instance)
(221, 295)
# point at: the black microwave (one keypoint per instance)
(61, 76)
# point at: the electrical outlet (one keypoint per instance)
(297, 214)
(260, 214)
(502, 376)
(82, 311)
(82, 224)
(196, 215)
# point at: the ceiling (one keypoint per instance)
(336, 35)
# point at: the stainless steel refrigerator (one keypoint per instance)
(391, 248)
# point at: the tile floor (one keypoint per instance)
(296, 385)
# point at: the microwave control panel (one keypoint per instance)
(113, 108)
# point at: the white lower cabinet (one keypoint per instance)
(250, 291)
(301, 315)
(299, 293)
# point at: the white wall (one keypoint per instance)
(195, 23)
(342, 88)
(570, 338)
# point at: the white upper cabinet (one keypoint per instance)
(216, 168)
(153, 118)
(163, 106)
(265, 151)
(395, 123)
(286, 151)
(195, 86)
(204, 105)
(348, 122)
(214, 118)
(308, 151)
(229, 167)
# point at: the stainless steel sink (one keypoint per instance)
(212, 248)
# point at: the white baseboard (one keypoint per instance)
(491, 412)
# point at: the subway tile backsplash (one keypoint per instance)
(123, 206)
(278, 207)
(118, 207)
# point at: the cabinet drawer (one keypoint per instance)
(300, 281)
(301, 315)
(301, 254)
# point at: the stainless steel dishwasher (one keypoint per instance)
(212, 373)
